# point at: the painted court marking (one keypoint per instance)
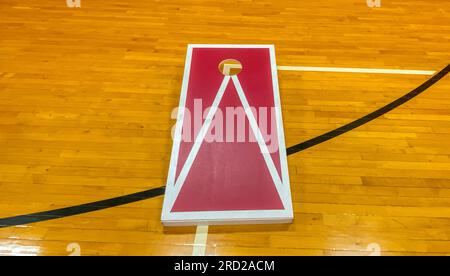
(356, 70)
(201, 235)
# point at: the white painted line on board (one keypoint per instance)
(198, 142)
(260, 139)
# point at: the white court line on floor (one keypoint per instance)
(201, 235)
(356, 70)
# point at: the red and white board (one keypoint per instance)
(228, 162)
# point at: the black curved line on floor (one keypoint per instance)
(81, 209)
(369, 117)
(154, 192)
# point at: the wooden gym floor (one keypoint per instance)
(86, 96)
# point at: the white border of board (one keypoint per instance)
(227, 217)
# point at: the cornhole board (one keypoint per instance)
(228, 181)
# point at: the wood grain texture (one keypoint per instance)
(86, 97)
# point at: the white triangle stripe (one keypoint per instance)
(205, 127)
(198, 142)
(259, 137)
